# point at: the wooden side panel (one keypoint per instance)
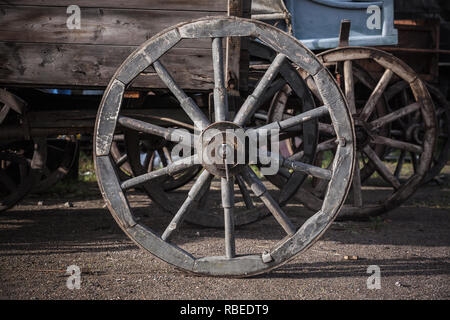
(66, 65)
(38, 49)
(180, 5)
(98, 25)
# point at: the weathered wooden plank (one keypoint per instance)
(119, 203)
(108, 114)
(63, 65)
(239, 266)
(181, 5)
(163, 250)
(98, 26)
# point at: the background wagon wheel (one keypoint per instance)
(20, 167)
(62, 153)
(370, 125)
(442, 109)
(291, 97)
(442, 150)
(152, 152)
(147, 232)
(19, 171)
(364, 84)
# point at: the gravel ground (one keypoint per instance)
(38, 242)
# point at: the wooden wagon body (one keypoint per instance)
(39, 47)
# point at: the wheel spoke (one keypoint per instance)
(295, 81)
(174, 135)
(376, 94)
(121, 160)
(329, 144)
(167, 154)
(189, 106)
(414, 161)
(162, 157)
(398, 168)
(220, 93)
(204, 198)
(227, 189)
(148, 161)
(313, 171)
(395, 89)
(298, 166)
(397, 144)
(349, 85)
(356, 184)
(272, 90)
(261, 192)
(194, 194)
(7, 182)
(381, 168)
(3, 113)
(252, 102)
(171, 169)
(327, 128)
(245, 193)
(295, 120)
(395, 115)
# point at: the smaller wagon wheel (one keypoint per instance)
(144, 152)
(442, 110)
(19, 173)
(61, 156)
(188, 252)
(442, 150)
(299, 143)
(279, 108)
(371, 127)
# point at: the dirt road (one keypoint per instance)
(411, 246)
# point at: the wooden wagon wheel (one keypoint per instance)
(442, 110)
(146, 150)
(281, 109)
(62, 152)
(298, 238)
(20, 168)
(300, 142)
(442, 150)
(19, 171)
(369, 126)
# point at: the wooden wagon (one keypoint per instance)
(167, 84)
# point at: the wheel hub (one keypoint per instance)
(363, 134)
(222, 149)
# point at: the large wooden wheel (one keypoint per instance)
(375, 128)
(163, 241)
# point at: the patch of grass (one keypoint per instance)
(70, 189)
(376, 223)
(86, 171)
(83, 186)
